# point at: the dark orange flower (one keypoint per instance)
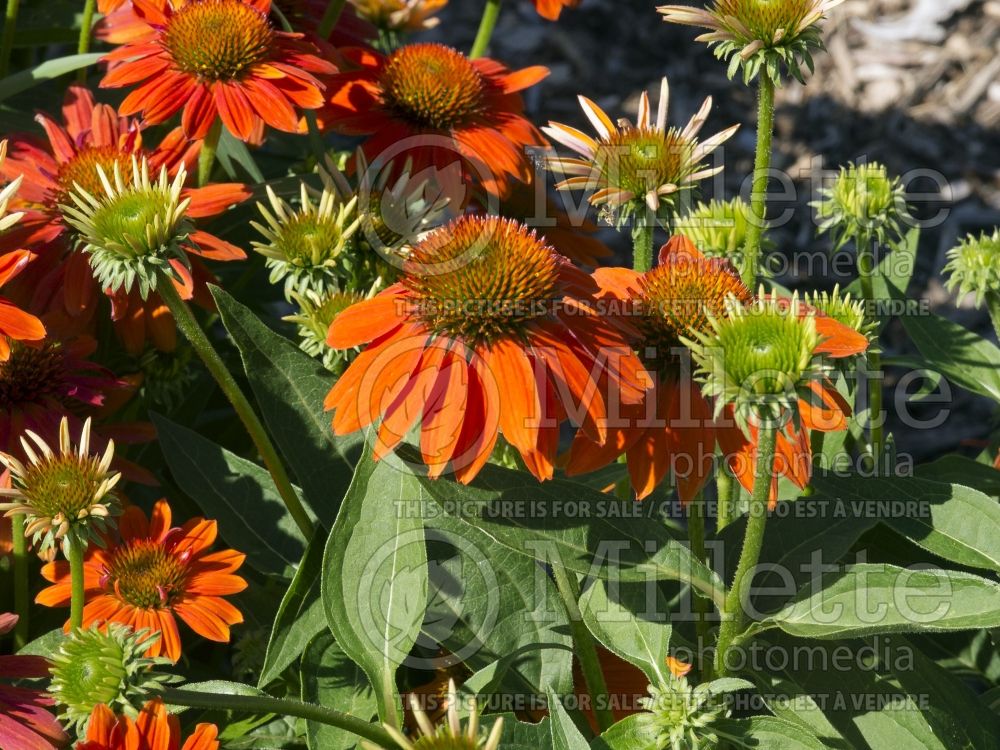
(674, 428)
(153, 729)
(217, 59)
(489, 330)
(431, 104)
(551, 9)
(154, 574)
(15, 323)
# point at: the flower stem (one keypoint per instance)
(486, 25)
(866, 271)
(724, 486)
(642, 246)
(192, 331)
(761, 166)
(733, 615)
(22, 603)
(696, 531)
(583, 645)
(206, 156)
(262, 704)
(9, 29)
(74, 554)
(330, 17)
(993, 305)
(86, 26)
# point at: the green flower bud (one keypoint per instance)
(974, 266)
(863, 204)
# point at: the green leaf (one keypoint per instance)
(868, 599)
(26, 79)
(565, 734)
(237, 493)
(964, 357)
(631, 623)
(949, 520)
(487, 602)
(768, 733)
(330, 678)
(290, 387)
(520, 735)
(633, 732)
(590, 532)
(788, 701)
(232, 152)
(375, 576)
(955, 469)
(892, 274)
(300, 617)
(955, 713)
(45, 644)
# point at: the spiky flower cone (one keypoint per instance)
(863, 203)
(974, 266)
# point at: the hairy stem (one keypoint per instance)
(866, 272)
(9, 30)
(486, 25)
(199, 341)
(86, 26)
(583, 645)
(22, 603)
(696, 531)
(642, 246)
(206, 156)
(724, 484)
(733, 614)
(74, 554)
(761, 165)
(254, 704)
(993, 305)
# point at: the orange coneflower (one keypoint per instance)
(154, 574)
(153, 729)
(674, 428)
(489, 330)
(217, 59)
(551, 9)
(433, 106)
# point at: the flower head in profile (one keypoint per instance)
(153, 729)
(305, 247)
(629, 167)
(104, 667)
(450, 735)
(64, 494)
(25, 718)
(488, 330)
(863, 204)
(137, 229)
(552, 9)
(153, 575)
(758, 35)
(431, 106)
(679, 715)
(674, 430)
(974, 266)
(767, 364)
(217, 60)
(719, 228)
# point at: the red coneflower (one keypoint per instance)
(674, 428)
(154, 574)
(489, 330)
(434, 106)
(15, 323)
(153, 729)
(217, 59)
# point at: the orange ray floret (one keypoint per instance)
(551, 9)
(674, 429)
(153, 729)
(154, 574)
(434, 106)
(488, 331)
(217, 59)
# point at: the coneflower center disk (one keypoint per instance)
(145, 574)
(308, 239)
(124, 221)
(765, 353)
(82, 170)
(432, 85)
(762, 18)
(642, 159)
(481, 277)
(62, 484)
(217, 40)
(30, 375)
